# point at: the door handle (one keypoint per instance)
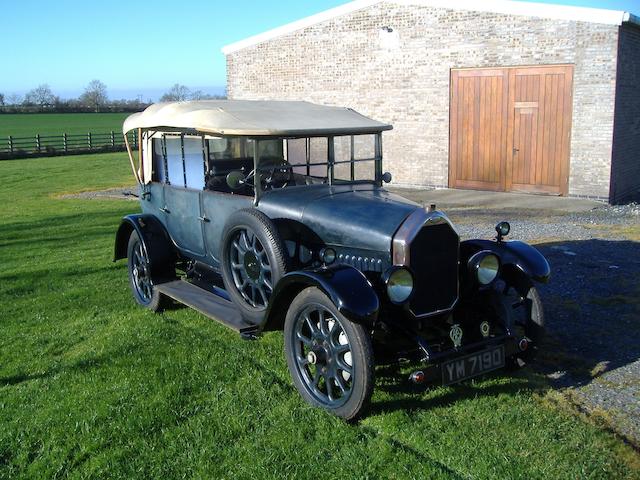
(203, 219)
(515, 150)
(165, 209)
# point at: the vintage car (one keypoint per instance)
(271, 215)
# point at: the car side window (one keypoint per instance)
(179, 161)
(355, 158)
(225, 156)
(159, 171)
(308, 157)
(194, 163)
(174, 161)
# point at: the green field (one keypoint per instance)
(92, 386)
(30, 124)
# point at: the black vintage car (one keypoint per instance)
(271, 215)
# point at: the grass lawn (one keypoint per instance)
(93, 386)
(29, 124)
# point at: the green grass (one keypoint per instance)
(30, 124)
(93, 386)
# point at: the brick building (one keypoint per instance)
(494, 95)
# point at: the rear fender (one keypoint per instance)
(513, 255)
(155, 241)
(346, 286)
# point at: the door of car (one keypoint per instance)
(182, 191)
(152, 195)
(217, 208)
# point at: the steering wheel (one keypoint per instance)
(278, 175)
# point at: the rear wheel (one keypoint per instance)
(330, 358)
(140, 280)
(253, 261)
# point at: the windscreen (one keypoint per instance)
(343, 159)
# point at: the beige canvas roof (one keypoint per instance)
(254, 118)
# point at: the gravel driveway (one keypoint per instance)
(592, 304)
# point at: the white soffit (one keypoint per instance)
(529, 9)
(299, 24)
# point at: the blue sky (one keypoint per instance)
(145, 47)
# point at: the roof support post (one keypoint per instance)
(378, 157)
(184, 165)
(307, 153)
(140, 160)
(352, 158)
(165, 161)
(133, 167)
(205, 159)
(257, 187)
(331, 157)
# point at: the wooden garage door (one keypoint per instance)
(510, 129)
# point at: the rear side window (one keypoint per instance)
(179, 161)
(174, 161)
(194, 163)
(159, 172)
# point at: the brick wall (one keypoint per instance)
(402, 77)
(625, 168)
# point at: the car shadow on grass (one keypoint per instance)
(410, 397)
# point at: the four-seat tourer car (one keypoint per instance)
(272, 215)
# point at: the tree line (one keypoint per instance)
(93, 99)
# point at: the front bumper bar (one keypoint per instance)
(431, 357)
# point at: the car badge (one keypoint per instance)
(484, 329)
(456, 335)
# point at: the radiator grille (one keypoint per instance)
(433, 255)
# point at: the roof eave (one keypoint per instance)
(315, 132)
(550, 11)
(628, 17)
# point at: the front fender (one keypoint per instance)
(519, 255)
(155, 241)
(346, 286)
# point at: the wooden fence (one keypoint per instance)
(65, 144)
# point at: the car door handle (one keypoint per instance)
(203, 219)
(165, 210)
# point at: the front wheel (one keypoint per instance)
(330, 358)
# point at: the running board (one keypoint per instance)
(209, 304)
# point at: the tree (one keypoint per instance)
(177, 93)
(14, 99)
(95, 95)
(41, 95)
(200, 95)
(1, 99)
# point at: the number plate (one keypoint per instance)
(472, 365)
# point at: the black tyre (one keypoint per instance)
(522, 311)
(253, 261)
(140, 279)
(330, 358)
